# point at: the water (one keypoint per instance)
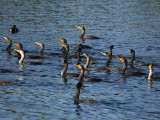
(41, 93)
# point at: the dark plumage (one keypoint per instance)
(10, 44)
(6, 83)
(63, 73)
(83, 32)
(20, 46)
(131, 73)
(5, 71)
(41, 52)
(133, 58)
(86, 79)
(14, 29)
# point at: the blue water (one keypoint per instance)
(40, 91)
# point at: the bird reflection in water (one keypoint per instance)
(65, 80)
(149, 84)
(76, 97)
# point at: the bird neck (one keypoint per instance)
(108, 61)
(41, 51)
(9, 46)
(76, 97)
(20, 46)
(124, 66)
(80, 78)
(82, 33)
(87, 62)
(22, 57)
(110, 51)
(65, 69)
(79, 55)
(132, 58)
(150, 76)
(66, 49)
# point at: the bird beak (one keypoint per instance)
(37, 43)
(120, 58)
(5, 38)
(150, 66)
(77, 65)
(84, 54)
(78, 27)
(103, 53)
(62, 44)
(60, 40)
(17, 50)
(62, 59)
(16, 44)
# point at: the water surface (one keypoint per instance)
(41, 93)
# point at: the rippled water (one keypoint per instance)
(41, 93)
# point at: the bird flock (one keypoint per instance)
(65, 58)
